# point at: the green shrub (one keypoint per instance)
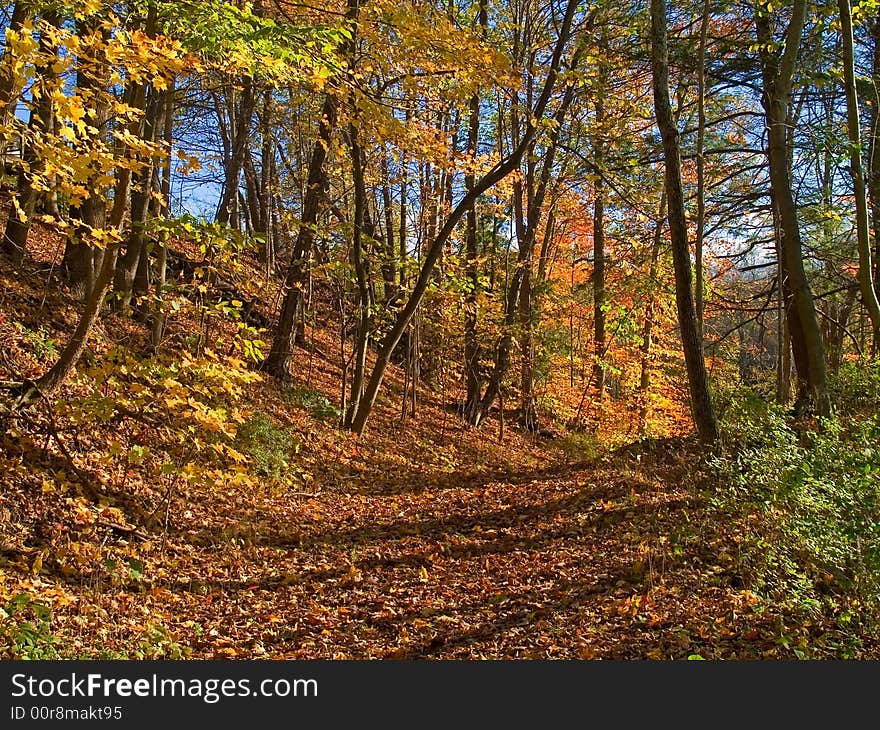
(835, 503)
(579, 445)
(43, 346)
(855, 387)
(25, 630)
(316, 404)
(761, 450)
(268, 445)
(812, 504)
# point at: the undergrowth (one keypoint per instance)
(268, 445)
(809, 502)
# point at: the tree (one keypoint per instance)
(701, 402)
(866, 273)
(778, 75)
(497, 173)
(277, 362)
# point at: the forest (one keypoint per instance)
(444, 329)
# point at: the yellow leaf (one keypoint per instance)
(423, 574)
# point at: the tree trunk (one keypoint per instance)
(874, 152)
(21, 11)
(135, 255)
(701, 168)
(360, 267)
(701, 402)
(244, 114)
(648, 327)
(54, 378)
(82, 260)
(277, 363)
(388, 253)
(24, 204)
(866, 274)
(598, 279)
(473, 381)
(517, 303)
(806, 336)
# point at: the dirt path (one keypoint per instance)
(573, 562)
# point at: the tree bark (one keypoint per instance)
(648, 326)
(517, 303)
(701, 168)
(135, 254)
(473, 381)
(874, 150)
(360, 267)
(244, 114)
(277, 363)
(701, 402)
(82, 261)
(54, 378)
(472, 349)
(598, 279)
(21, 11)
(866, 274)
(806, 336)
(24, 204)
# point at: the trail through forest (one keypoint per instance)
(579, 561)
(431, 330)
(423, 539)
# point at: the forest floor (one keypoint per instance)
(427, 539)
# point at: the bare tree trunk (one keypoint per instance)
(227, 210)
(809, 353)
(598, 279)
(267, 162)
(135, 255)
(472, 350)
(360, 267)
(783, 343)
(277, 363)
(701, 402)
(158, 316)
(517, 303)
(528, 416)
(866, 274)
(388, 263)
(701, 168)
(874, 172)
